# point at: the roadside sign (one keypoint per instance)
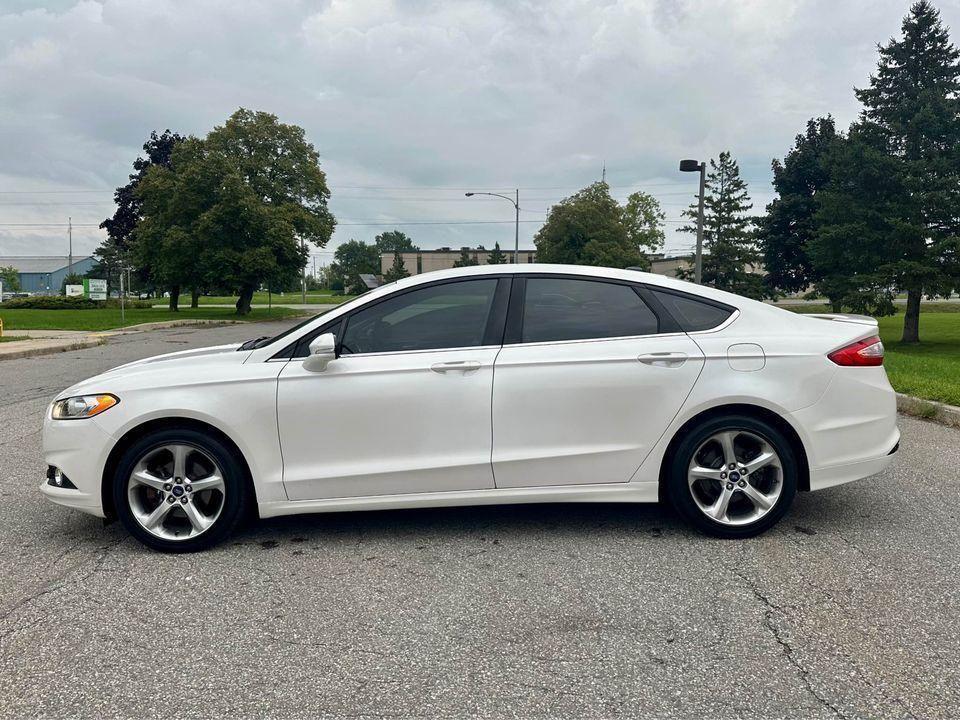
(95, 289)
(74, 290)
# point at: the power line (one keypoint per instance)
(437, 222)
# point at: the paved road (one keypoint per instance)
(848, 609)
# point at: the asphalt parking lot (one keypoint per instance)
(848, 609)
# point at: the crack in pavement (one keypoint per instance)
(59, 582)
(788, 651)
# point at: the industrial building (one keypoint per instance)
(44, 275)
(421, 261)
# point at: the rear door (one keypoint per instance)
(588, 380)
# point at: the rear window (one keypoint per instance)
(693, 313)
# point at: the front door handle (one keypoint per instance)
(464, 366)
(664, 359)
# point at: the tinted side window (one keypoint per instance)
(562, 309)
(436, 317)
(693, 314)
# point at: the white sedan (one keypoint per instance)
(485, 385)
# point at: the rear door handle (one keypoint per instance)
(664, 359)
(464, 366)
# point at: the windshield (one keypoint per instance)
(267, 340)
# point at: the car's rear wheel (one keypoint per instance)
(179, 490)
(733, 476)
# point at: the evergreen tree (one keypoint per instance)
(911, 112)
(466, 259)
(497, 256)
(785, 232)
(397, 271)
(728, 235)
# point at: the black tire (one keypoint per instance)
(680, 494)
(236, 499)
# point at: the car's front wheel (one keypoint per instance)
(733, 476)
(179, 490)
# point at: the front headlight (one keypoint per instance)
(84, 406)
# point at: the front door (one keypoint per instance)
(406, 406)
(588, 385)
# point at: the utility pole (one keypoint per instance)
(123, 315)
(70, 245)
(701, 167)
(516, 231)
(303, 275)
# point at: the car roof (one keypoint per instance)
(585, 270)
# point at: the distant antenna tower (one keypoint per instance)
(603, 177)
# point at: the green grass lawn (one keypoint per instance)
(927, 307)
(314, 297)
(13, 338)
(109, 318)
(930, 370)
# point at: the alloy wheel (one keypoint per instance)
(735, 477)
(176, 492)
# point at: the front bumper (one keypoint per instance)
(80, 449)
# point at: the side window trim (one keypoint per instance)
(493, 331)
(731, 311)
(667, 323)
(513, 333)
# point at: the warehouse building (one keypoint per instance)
(44, 275)
(422, 261)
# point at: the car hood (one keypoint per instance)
(168, 367)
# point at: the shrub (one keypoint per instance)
(61, 302)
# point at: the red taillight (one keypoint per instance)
(862, 353)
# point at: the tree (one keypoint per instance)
(856, 227)
(591, 228)
(911, 112)
(785, 232)
(644, 220)
(728, 237)
(497, 256)
(398, 270)
(466, 259)
(394, 241)
(10, 277)
(114, 250)
(350, 260)
(237, 207)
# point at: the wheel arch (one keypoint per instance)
(166, 423)
(754, 411)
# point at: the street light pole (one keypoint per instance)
(516, 206)
(701, 167)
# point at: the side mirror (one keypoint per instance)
(323, 350)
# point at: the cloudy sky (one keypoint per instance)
(410, 103)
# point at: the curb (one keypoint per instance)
(163, 324)
(929, 410)
(100, 337)
(53, 349)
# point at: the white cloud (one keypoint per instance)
(493, 93)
